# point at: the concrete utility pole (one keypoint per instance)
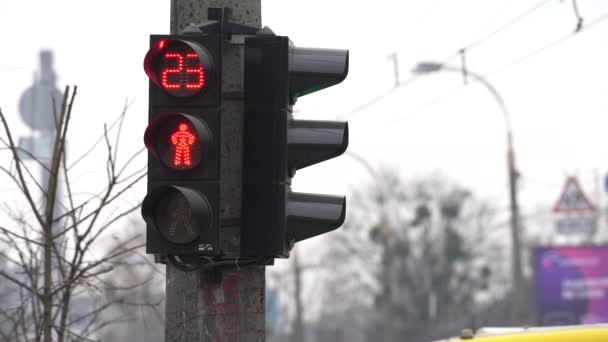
(200, 307)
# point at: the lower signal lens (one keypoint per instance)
(174, 219)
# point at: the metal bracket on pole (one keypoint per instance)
(218, 23)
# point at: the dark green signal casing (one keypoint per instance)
(275, 145)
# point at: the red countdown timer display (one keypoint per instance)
(179, 67)
(181, 72)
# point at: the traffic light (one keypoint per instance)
(181, 208)
(275, 145)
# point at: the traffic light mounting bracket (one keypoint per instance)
(218, 22)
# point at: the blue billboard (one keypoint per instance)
(572, 285)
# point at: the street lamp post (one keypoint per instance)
(383, 226)
(519, 312)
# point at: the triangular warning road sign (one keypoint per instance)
(573, 198)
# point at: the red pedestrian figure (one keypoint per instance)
(183, 140)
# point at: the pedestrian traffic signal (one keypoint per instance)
(275, 145)
(181, 208)
(182, 141)
(177, 213)
(179, 141)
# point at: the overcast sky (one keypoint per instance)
(557, 98)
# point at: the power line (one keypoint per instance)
(548, 46)
(502, 68)
(510, 23)
(426, 106)
(375, 100)
(380, 97)
(469, 46)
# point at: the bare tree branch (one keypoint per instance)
(101, 138)
(23, 186)
(49, 269)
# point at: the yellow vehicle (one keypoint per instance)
(578, 333)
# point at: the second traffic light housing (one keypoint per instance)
(275, 145)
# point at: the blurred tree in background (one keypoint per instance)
(414, 259)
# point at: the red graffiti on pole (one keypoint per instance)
(222, 302)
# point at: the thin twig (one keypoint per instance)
(23, 186)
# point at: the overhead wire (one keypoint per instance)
(504, 67)
(375, 100)
(548, 46)
(508, 24)
(352, 113)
